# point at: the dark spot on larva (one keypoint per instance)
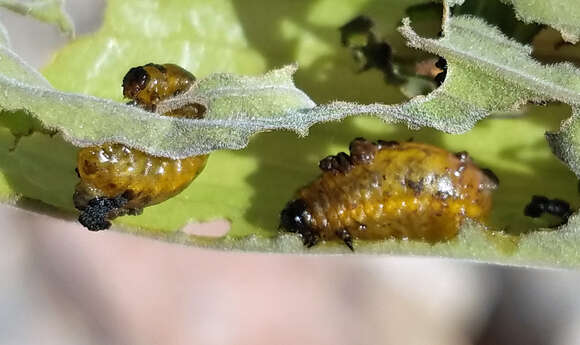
(89, 167)
(134, 81)
(343, 162)
(77, 172)
(362, 151)
(463, 156)
(129, 194)
(340, 163)
(382, 144)
(326, 163)
(416, 186)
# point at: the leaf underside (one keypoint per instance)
(562, 15)
(250, 187)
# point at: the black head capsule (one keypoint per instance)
(135, 81)
(295, 217)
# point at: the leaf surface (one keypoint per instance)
(563, 15)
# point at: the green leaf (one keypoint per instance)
(50, 11)
(249, 187)
(496, 74)
(237, 108)
(480, 79)
(563, 15)
(565, 143)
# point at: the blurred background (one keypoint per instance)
(61, 284)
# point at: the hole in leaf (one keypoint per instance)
(549, 47)
(501, 15)
(216, 228)
(426, 19)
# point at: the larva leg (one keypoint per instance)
(346, 237)
(310, 238)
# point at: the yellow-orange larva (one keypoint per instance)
(118, 180)
(390, 190)
(150, 84)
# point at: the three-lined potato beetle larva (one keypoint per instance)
(388, 189)
(117, 180)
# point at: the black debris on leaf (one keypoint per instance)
(556, 207)
(99, 210)
(368, 49)
(360, 25)
(441, 64)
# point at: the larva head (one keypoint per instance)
(295, 217)
(135, 82)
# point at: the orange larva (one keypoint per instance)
(118, 180)
(389, 189)
(150, 84)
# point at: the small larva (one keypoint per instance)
(117, 180)
(390, 190)
(150, 84)
(556, 207)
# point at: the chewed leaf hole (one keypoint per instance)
(216, 228)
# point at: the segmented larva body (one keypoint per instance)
(150, 84)
(390, 190)
(114, 169)
(118, 180)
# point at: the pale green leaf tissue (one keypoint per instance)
(563, 15)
